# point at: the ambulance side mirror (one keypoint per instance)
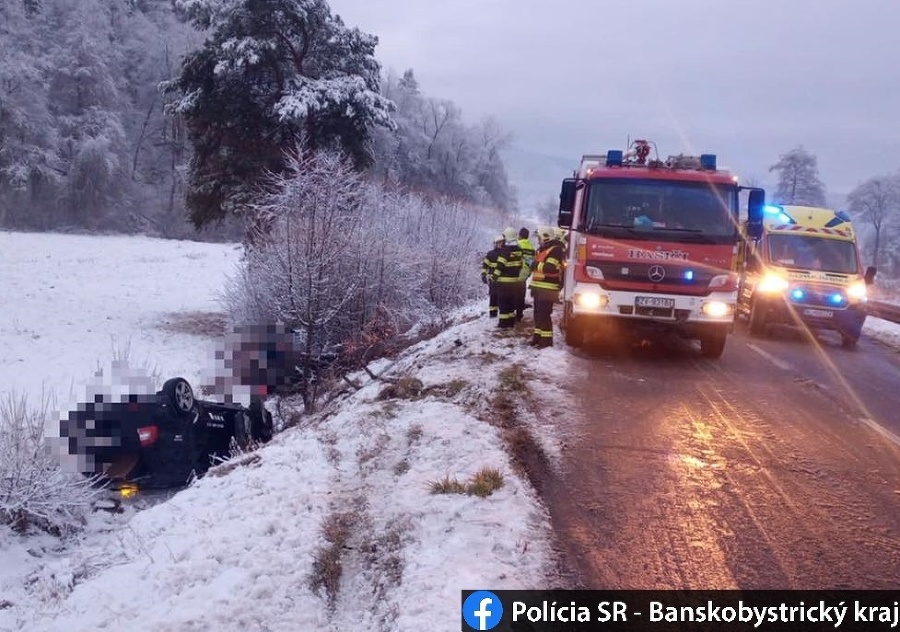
(871, 271)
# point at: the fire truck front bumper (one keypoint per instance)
(591, 301)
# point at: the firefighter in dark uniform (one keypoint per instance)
(546, 282)
(487, 274)
(527, 261)
(507, 278)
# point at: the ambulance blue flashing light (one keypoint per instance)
(837, 299)
(778, 212)
(708, 161)
(797, 294)
(839, 218)
(688, 275)
(614, 158)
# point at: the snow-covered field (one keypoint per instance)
(349, 488)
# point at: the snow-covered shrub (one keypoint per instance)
(34, 491)
(350, 265)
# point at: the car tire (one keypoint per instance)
(262, 427)
(848, 341)
(179, 396)
(243, 429)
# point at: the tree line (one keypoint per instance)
(876, 202)
(164, 116)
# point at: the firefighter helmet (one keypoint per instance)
(510, 234)
(545, 233)
(499, 239)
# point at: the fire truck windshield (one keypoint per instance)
(684, 211)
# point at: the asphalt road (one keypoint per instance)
(775, 467)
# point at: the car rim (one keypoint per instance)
(183, 396)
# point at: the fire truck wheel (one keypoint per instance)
(756, 320)
(712, 343)
(574, 332)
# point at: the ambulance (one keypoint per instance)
(802, 267)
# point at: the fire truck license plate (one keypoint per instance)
(818, 313)
(654, 301)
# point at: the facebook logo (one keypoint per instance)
(482, 610)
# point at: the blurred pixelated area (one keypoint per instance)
(86, 437)
(263, 357)
(250, 362)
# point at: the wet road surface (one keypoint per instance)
(774, 467)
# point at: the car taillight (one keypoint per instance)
(148, 435)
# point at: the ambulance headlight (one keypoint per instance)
(772, 283)
(857, 291)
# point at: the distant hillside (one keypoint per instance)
(536, 176)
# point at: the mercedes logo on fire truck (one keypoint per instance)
(656, 273)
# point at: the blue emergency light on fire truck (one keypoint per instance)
(653, 247)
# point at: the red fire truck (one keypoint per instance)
(653, 246)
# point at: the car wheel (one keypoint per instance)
(242, 429)
(261, 424)
(179, 395)
(848, 341)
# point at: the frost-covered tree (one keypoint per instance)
(27, 135)
(349, 283)
(798, 179)
(270, 73)
(877, 201)
(433, 149)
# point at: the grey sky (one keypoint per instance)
(745, 79)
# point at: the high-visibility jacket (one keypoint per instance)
(527, 257)
(549, 266)
(509, 264)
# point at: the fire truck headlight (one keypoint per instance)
(594, 273)
(717, 309)
(857, 291)
(591, 301)
(772, 283)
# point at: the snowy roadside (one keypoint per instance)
(334, 524)
(885, 332)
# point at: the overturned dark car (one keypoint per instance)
(160, 440)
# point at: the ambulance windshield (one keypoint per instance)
(808, 252)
